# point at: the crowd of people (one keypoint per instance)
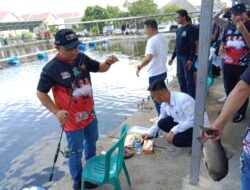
(68, 75)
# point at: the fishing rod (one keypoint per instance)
(62, 126)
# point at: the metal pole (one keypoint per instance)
(203, 59)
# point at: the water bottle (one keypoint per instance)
(160, 132)
(137, 146)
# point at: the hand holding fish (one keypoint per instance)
(212, 132)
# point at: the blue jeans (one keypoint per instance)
(84, 138)
(150, 81)
(185, 76)
(245, 171)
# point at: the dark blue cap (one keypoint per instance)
(238, 9)
(67, 38)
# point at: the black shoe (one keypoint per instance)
(89, 185)
(76, 186)
(238, 118)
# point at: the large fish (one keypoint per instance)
(215, 157)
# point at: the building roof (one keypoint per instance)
(42, 16)
(26, 17)
(69, 15)
(182, 3)
(4, 14)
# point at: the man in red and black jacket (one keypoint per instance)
(236, 41)
(68, 75)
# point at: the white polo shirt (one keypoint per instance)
(157, 45)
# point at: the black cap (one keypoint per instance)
(238, 9)
(67, 38)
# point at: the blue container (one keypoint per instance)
(42, 55)
(82, 47)
(13, 61)
(92, 44)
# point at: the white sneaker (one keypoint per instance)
(222, 99)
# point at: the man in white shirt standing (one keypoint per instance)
(176, 115)
(155, 55)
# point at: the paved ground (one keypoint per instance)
(168, 168)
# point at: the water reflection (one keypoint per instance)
(6, 52)
(30, 133)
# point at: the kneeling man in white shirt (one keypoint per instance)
(176, 115)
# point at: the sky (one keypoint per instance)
(64, 6)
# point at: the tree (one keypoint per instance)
(170, 10)
(53, 30)
(95, 13)
(142, 7)
(113, 11)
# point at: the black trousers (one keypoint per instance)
(231, 74)
(183, 139)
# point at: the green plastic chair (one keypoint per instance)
(106, 167)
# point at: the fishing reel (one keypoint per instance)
(66, 152)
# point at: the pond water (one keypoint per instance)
(24, 122)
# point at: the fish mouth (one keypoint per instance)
(216, 176)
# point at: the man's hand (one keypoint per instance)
(138, 68)
(145, 136)
(226, 10)
(189, 64)
(170, 137)
(240, 26)
(170, 62)
(111, 60)
(62, 116)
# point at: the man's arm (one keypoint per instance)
(152, 132)
(144, 62)
(241, 27)
(45, 99)
(191, 41)
(221, 22)
(234, 101)
(187, 109)
(170, 62)
(215, 33)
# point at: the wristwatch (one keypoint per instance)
(138, 67)
(109, 64)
